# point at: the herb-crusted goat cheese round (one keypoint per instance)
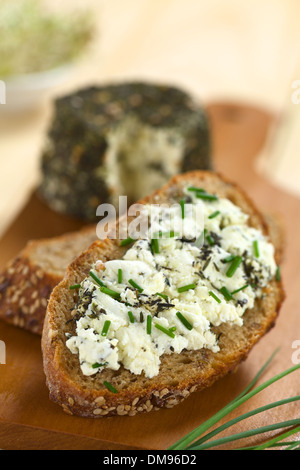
(124, 139)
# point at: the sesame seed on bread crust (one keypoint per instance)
(28, 280)
(180, 374)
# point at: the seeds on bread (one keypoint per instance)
(179, 374)
(28, 280)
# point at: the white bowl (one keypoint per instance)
(26, 92)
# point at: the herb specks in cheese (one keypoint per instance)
(175, 294)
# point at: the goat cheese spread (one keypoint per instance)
(166, 293)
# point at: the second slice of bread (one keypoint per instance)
(28, 280)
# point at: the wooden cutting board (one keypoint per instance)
(28, 420)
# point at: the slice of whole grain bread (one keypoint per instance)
(180, 374)
(28, 280)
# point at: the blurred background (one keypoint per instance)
(232, 51)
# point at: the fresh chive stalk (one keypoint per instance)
(214, 214)
(149, 324)
(278, 274)
(202, 194)
(228, 259)
(182, 205)
(227, 295)
(184, 321)
(127, 241)
(135, 285)
(96, 278)
(131, 317)
(210, 240)
(213, 295)
(110, 387)
(105, 328)
(155, 245)
(244, 416)
(188, 441)
(273, 441)
(164, 330)
(75, 286)
(97, 365)
(110, 292)
(186, 288)
(234, 266)
(256, 248)
(196, 190)
(206, 196)
(120, 276)
(240, 289)
(163, 296)
(248, 433)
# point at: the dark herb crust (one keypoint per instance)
(74, 179)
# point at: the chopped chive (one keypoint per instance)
(278, 274)
(182, 204)
(110, 292)
(131, 317)
(256, 248)
(227, 295)
(97, 365)
(234, 266)
(186, 288)
(127, 241)
(184, 321)
(206, 196)
(202, 194)
(214, 214)
(149, 324)
(120, 276)
(163, 296)
(240, 289)
(173, 328)
(194, 189)
(135, 285)
(154, 245)
(228, 259)
(164, 330)
(210, 240)
(213, 295)
(141, 317)
(105, 328)
(110, 387)
(96, 278)
(75, 286)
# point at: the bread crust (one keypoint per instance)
(180, 374)
(27, 281)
